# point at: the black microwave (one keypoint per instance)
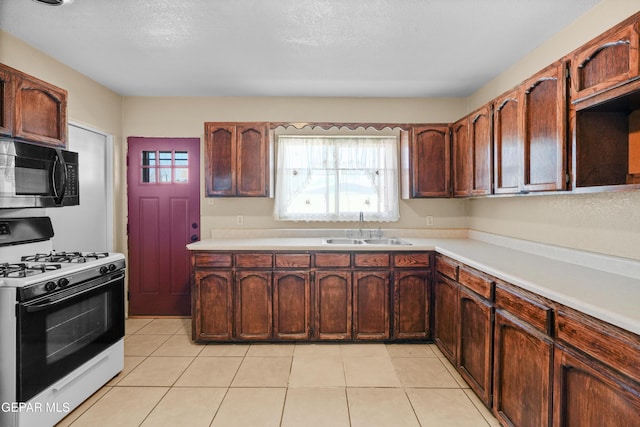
(34, 176)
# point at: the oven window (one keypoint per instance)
(57, 335)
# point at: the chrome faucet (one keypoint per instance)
(361, 226)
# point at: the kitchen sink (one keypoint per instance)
(349, 241)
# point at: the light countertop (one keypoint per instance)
(605, 295)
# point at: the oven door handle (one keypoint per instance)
(59, 197)
(52, 303)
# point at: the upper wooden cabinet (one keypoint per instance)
(462, 158)
(480, 140)
(237, 159)
(430, 161)
(544, 98)
(32, 109)
(507, 138)
(605, 62)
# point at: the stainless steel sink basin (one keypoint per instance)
(342, 241)
(386, 241)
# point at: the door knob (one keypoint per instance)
(194, 237)
(194, 225)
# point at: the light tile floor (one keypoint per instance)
(169, 381)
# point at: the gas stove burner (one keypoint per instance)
(25, 270)
(74, 257)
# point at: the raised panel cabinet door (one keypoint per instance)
(212, 305)
(430, 161)
(481, 142)
(333, 305)
(371, 305)
(40, 113)
(253, 307)
(545, 118)
(507, 138)
(475, 344)
(588, 394)
(220, 159)
(462, 158)
(291, 305)
(252, 160)
(6, 101)
(609, 60)
(522, 382)
(446, 318)
(411, 300)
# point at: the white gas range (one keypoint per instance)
(61, 324)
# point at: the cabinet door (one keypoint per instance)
(291, 305)
(474, 346)
(411, 299)
(605, 62)
(446, 324)
(252, 160)
(333, 305)
(220, 157)
(507, 139)
(587, 394)
(430, 162)
(40, 113)
(253, 308)
(480, 128)
(371, 305)
(6, 101)
(462, 158)
(212, 305)
(522, 374)
(545, 116)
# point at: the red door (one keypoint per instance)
(163, 179)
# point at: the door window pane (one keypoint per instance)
(181, 158)
(173, 167)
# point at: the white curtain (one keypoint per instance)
(321, 178)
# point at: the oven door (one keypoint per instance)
(58, 334)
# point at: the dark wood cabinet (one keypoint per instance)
(462, 158)
(605, 62)
(475, 343)
(32, 109)
(481, 142)
(6, 101)
(507, 139)
(333, 305)
(411, 301)
(446, 317)
(237, 159)
(253, 305)
(212, 302)
(430, 161)
(371, 305)
(291, 305)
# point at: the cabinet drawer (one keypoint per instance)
(610, 345)
(536, 314)
(371, 260)
(477, 282)
(416, 259)
(254, 260)
(333, 260)
(209, 260)
(293, 260)
(446, 267)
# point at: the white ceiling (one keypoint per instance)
(379, 48)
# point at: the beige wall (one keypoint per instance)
(89, 104)
(608, 222)
(185, 117)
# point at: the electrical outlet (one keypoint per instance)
(429, 220)
(240, 220)
(210, 201)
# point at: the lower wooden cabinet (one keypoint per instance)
(446, 317)
(522, 379)
(411, 304)
(291, 305)
(589, 394)
(371, 305)
(333, 306)
(212, 302)
(253, 305)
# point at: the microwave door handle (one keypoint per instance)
(59, 197)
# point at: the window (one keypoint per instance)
(165, 167)
(334, 178)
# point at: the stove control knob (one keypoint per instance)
(49, 286)
(112, 267)
(104, 269)
(63, 282)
